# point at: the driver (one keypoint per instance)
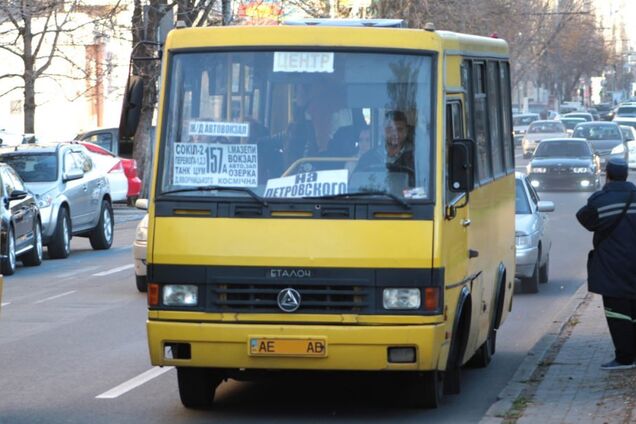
(397, 154)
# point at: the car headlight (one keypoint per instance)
(401, 298)
(618, 149)
(44, 200)
(538, 170)
(522, 240)
(581, 170)
(141, 234)
(180, 294)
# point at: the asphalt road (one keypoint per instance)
(73, 347)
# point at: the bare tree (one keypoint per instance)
(32, 32)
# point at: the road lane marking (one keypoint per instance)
(78, 271)
(134, 382)
(5, 303)
(114, 270)
(55, 297)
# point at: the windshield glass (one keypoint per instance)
(597, 132)
(546, 127)
(521, 204)
(626, 111)
(564, 148)
(628, 133)
(571, 123)
(33, 168)
(523, 120)
(298, 124)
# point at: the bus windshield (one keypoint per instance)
(292, 124)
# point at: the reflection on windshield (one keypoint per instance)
(548, 127)
(299, 124)
(521, 204)
(562, 149)
(33, 168)
(604, 132)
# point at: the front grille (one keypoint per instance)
(560, 170)
(255, 297)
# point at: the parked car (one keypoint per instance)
(140, 247)
(570, 123)
(564, 164)
(108, 138)
(539, 130)
(520, 124)
(14, 139)
(72, 194)
(605, 137)
(531, 239)
(117, 168)
(585, 115)
(20, 227)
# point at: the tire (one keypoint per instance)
(34, 256)
(197, 386)
(60, 246)
(101, 237)
(9, 261)
(142, 283)
(544, 271)
(531, 285)
(483, 356)
(426, 390)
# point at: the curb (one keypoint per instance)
(497, 411)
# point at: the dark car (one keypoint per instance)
(20, 226)
(605, 111)
(108, 138)
(605, 138)
(564, 164)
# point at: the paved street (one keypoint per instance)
(73, 346)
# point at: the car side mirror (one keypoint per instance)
(141, 204)
(545, 206)
(73, 174)
(462, 154)
(18, 195)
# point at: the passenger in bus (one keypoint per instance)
(397, 153)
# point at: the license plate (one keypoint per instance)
(265, 346)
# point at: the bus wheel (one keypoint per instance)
(426, 390)
(484, 354)
(197, 386)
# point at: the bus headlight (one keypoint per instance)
(401, 298)
(180, 294)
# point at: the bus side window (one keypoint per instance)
(454, 130)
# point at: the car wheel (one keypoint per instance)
(197, 386)
(9, 260)
(544, 271)
(101, 237)
(34, 256)
(142, 283)
(60, 246)
(531, 285)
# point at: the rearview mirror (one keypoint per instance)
(141, 204)
(18, 195)
(131, 107)
(73, 174)
(462, 153)
(545, 206)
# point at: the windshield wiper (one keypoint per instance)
(364, 193)
(253, 195)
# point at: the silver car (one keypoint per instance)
(73, 196)
(540, 130)
(531, 241)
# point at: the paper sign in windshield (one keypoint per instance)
(312, 184)
(219, 129)
(198, 164)
(303, 62)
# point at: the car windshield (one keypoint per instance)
(546, 127)
(291, 124)
(597, 132)
(522, 206)
(523, 120)
(571, 123)
(628, 133)
(33, 168)
(564, 148)
(583, 116)
(626, 111)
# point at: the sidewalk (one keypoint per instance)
(567, 385)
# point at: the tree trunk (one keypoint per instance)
(29, 77)
(226, 6)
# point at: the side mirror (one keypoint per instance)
(131, 107)
(73, 174)
(545, 206)
(141, 204)
(462, 154)
(18, 195)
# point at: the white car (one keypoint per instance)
(531, 241)
(139, 248)
(112, 167)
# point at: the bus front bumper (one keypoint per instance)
(353, 348)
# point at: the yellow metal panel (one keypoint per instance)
(293, 242)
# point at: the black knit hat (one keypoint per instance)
(616, 169)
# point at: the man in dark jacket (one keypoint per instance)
(611, 214)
